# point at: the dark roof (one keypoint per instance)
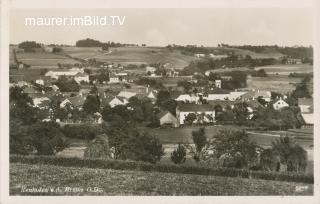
(77, 100)
(190, 107)
(222, 103)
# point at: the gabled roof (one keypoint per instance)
(190, 107)
(126, 94)
(163, 113)
(77, 100)
(308, 118)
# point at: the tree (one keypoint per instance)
(234, 148)
(129, 143)
(241, 112)
(291, 154)
(66, 85)
(200, 140)
(178, 156)
(98, 148)
(47, 138)
(162, 97)
(91, 104)
(190, 118)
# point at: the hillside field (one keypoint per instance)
(76, 181)
(146, 55)
(287, 69)
(44, 59)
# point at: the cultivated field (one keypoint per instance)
(287, 69)
(44, 59)
(146, 55)
(276, 83)
(125, 182)
(83, 52)
(266, 54)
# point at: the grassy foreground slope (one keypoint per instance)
(118, 182)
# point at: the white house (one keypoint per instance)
(118, 101)
(79, 77)
(167, 118)
(152, 94)
(40, 100)
(69, 72)
(279, 104)
(151, 70)
(40, 82)
(198, 55)
(205, 113)
(217, 83)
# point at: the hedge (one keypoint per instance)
(167, 168)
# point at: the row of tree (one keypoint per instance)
(230, 148)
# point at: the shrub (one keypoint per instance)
(143, 166)
(178, 156)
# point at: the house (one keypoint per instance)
(306, 105)
(81, 77)
(217, 83)
(41, 102)
(113, 79)
(204, 113)
(167, 118)
(74, 102)
(69, 72)
(40, 82)
(118, 101)
(152, 94)
(150, 70)
(255, 94)
(279, 104)
(198, 55)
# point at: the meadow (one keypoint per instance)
(44, 59)
(146, 55)
(276, 83)
(287, 69)
(127, 182)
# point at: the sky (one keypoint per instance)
(160, 27)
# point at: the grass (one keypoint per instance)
(287, 69)
(146, 55)
(276, 83)
(44, 59)
(119, 182)
(82, 52)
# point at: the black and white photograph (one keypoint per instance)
(107, 101)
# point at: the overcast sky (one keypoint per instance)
(206, 27)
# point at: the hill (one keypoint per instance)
(125, 182)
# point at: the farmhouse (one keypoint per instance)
(204, 113)
(150, 70)
(81, 77)
(255, 94)
(118, 101)
(167, 118)
(74, 102)
(69, 72)
(279, 104)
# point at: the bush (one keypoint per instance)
(85, 132)
(143, 166)
(178, 156)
